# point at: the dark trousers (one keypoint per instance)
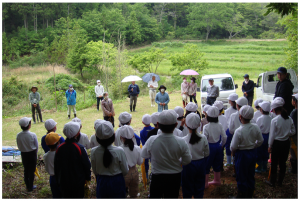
(98, 101)
(29, 163)
(211, 100)
(110, 119)
(250, 100)
(54, 188)
(193, 97)
(38, 110)
(165, 185)
(280, 153)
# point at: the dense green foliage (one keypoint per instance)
(62, 82)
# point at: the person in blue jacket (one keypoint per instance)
(162, 98)
(134, 91)
(71, 100)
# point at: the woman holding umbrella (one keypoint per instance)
(162, 98)
(193, 90)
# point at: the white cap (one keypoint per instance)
(76, 119)
(126, 132)
(246, 112)
(233, 97)
(24, 122)
(154, 117)
(296, 96)
(192, 107)
(167, 117)
(98, 81)
(179, 110)
(213, 112)
(146, 119)
(257, 101)
(277, 102)
(192, 120)
(242, 101)
(50, 124)
(218, 104)
(98, 122)
(265, 106)
(104, 130)
(124, 117)
(71, 129)
(205, 108)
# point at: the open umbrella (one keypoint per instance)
(148, 76)
(131, 78)
(189, 72)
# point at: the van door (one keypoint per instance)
(259, 89)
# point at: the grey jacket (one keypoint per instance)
(34, 97)
(212, 91)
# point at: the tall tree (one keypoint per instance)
(133, 34)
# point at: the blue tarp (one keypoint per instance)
(9, 151)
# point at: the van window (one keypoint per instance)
(259, 81)
(224, 84)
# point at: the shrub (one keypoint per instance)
(62, 82)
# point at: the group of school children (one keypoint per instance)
(182, 148)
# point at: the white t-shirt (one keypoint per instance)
(264, 123)
(257, 114)
(154, 84)
(228, 113)
(118, 165)
(223, 121)
(84, 140)
(27, 141)
(212, 132)
(133, 157)
(247, 136)
(118, 141)
(165, 151)
(198, 150)
(93, 141)
(281, 129)
(234, 122)
(49, 162)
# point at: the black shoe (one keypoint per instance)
(250, 193)
(68, 116)
(74, 115)
(42, 121)
(270, 183)
(33, 187)
(130, 108)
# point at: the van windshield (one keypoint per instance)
(224, 84)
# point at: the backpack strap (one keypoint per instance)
(76, 145)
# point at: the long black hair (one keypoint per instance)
(194, 137)
(283, 114)
(107, 156)
(212, 119)
(129, 143)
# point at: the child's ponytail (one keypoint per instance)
(194, 137)
(283, 112)
(129, 143)
(107, 156)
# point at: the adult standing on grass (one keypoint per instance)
(184, 92)
(34, 98)
(134, 91)
(284, 89)
(248, 89)
(152, 84)
(212, 92)
(71, 100)
(162, 98)
(108, 109)
(193, 90)
(99, 90)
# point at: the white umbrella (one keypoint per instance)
(131, 78)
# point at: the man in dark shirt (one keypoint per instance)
(72, 166)
(134, 91)
(248, 89)
(284, 89)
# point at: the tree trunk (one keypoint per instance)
(81, 73)
(207, 33)
(25, 22)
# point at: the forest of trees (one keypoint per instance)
(54, 32)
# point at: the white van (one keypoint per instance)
(266, 84)
(226, 86)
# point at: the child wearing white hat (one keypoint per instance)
(264, 123)
(28, 145)
(192, 108)
(154, 120)
(232, 109)
(193, 174)
(294, 138)
(245, 140)
(165, 151)
(50, 126)
(82, 138)
(204, 120)
(282, 127)
(181, 121)
(234, 123)
(109, 164)
(222, 118)
(256, 105)
(93, 140)
(146, 120)
(213, 132)
(133, 155)
(125, 119)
